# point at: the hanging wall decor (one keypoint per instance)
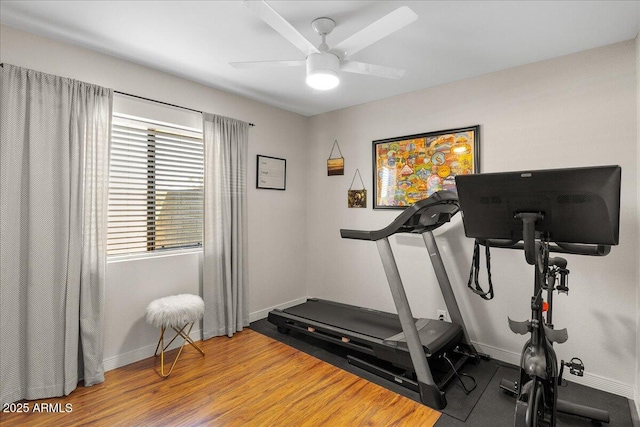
(335, 166)
(411, 168)
(271, 173)
(357, 198)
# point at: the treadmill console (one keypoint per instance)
(425, 215)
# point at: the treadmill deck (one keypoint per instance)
(379, 325)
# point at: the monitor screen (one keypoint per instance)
(579, 205)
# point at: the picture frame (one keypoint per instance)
(410, 168)
(335, 166)
(357, 198)
(271, 173)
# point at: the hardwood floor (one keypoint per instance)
(248, 380)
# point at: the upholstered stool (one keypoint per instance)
(177, 312)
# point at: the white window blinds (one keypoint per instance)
(155, 187)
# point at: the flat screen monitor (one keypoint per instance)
(578, 205)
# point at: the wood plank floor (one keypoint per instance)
(248, 380)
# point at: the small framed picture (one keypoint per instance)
(335, 166)
(357, 198)
(271, 173)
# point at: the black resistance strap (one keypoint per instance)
(475, 272)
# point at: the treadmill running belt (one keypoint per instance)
(375, 324)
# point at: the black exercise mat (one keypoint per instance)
(459, 404)
(496, 408)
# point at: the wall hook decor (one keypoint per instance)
(357, 198)
(335, 166)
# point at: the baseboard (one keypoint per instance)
(589, 380)
(142, 353)
(261, 314)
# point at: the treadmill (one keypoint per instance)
(398, 339)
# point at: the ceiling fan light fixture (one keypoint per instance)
(322, 71)
(323, 80)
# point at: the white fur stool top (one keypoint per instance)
(175, 311)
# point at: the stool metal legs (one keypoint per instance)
(186, 339)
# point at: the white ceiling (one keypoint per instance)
(451, 40)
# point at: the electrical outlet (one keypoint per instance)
(443, 315)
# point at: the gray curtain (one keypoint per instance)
(54, 162)
(224, 272)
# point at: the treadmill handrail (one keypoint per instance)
(443, 203)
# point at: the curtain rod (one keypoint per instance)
(163, 103)
(151, 100)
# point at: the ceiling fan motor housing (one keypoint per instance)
(323, 61)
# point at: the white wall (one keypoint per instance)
(577, 110)
(277, 262)
(572, 111)
(638, 264)
(131, 285)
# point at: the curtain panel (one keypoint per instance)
(54, 166)
(225, 273)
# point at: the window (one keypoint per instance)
(155, 186)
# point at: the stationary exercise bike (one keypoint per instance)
(574, 211)
(537, 402)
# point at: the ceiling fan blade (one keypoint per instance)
(265, 12)
(261, 64)
(371, 69)
(378, 30)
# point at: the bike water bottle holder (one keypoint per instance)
(563, 287)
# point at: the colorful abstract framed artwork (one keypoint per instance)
(411, 168)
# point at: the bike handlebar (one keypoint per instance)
(558, 247)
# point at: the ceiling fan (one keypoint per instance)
(324, 63)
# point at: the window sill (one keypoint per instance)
(147, 255)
